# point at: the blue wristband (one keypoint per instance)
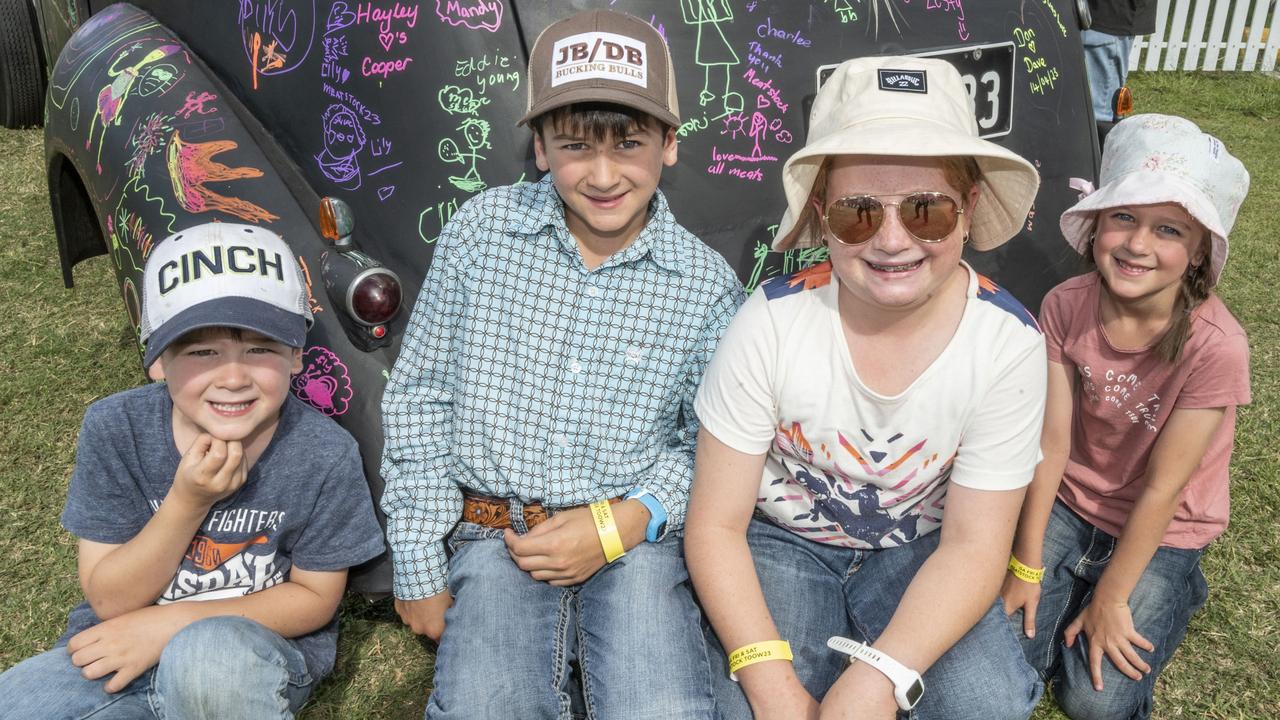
(657, 513)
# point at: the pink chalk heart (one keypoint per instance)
(320, 391)
(762, 102)
(386, 39)
(385, 192)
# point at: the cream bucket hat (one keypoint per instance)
(913, 107)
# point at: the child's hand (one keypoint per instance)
(210, 470)
(127, 645)
(425, 616)
(776, 693)
(860, 692)
(1109, 627)
(1017, 593)
(784, 705)
(564, 550)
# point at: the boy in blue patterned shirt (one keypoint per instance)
(540, 414)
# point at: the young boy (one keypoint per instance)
(541, 409)
(214, 485)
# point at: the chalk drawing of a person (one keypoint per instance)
(713, 50)
(845, 10)
(476, 134)
(344, 138)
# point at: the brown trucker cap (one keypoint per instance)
(602, 56)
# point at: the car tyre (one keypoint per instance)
(21, 73)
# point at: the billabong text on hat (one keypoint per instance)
(904, 80)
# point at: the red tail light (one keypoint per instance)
(375, 297)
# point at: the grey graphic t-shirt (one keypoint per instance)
(305, 503)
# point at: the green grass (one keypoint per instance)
(66, 348)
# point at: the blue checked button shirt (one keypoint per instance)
(523, 374)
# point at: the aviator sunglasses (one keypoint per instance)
(928, 216)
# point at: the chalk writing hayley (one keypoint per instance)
(383, 17)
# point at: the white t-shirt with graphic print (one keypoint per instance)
(846, 465)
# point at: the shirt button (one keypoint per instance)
(593, 291)
(560, 440)
(575, 367)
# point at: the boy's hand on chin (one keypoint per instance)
(127, 645)
(211, 470)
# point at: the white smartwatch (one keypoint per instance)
(907, 686)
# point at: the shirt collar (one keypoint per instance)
(658, 240)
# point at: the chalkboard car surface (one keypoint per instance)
(162, 114)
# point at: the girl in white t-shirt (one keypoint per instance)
(1146, 368)
(850, 402)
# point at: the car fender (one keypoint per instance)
(142, 141)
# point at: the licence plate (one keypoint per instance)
(987, 72)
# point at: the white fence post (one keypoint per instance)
(1234, 44)
(1216, 41)
(1272, 49)
(1177, 30)
(1196, 40)
(1254, 43)
(1156, 42)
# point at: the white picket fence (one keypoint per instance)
(1199, 35)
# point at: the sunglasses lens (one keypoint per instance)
(854, 220)
(929, 216)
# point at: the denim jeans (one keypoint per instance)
(1106, 62)
(815, 591)
(633, 629)
(216, 668)
(1170, 591)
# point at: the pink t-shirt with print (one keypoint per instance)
(1124, 397)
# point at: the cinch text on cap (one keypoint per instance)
(216, 260)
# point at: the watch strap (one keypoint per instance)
(657, 513)
(907, 685)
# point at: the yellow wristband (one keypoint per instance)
(1024, 573)
(610, 540)
(758, 652)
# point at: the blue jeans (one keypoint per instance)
(216, 668)
(633, 629)
(1106, 62)
(1170, 591)
(815, 591)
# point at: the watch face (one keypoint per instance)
(914, 692)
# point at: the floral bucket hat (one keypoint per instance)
(1152, 159)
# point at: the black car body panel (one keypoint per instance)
(163, 114)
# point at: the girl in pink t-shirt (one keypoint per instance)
(1146, 368)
